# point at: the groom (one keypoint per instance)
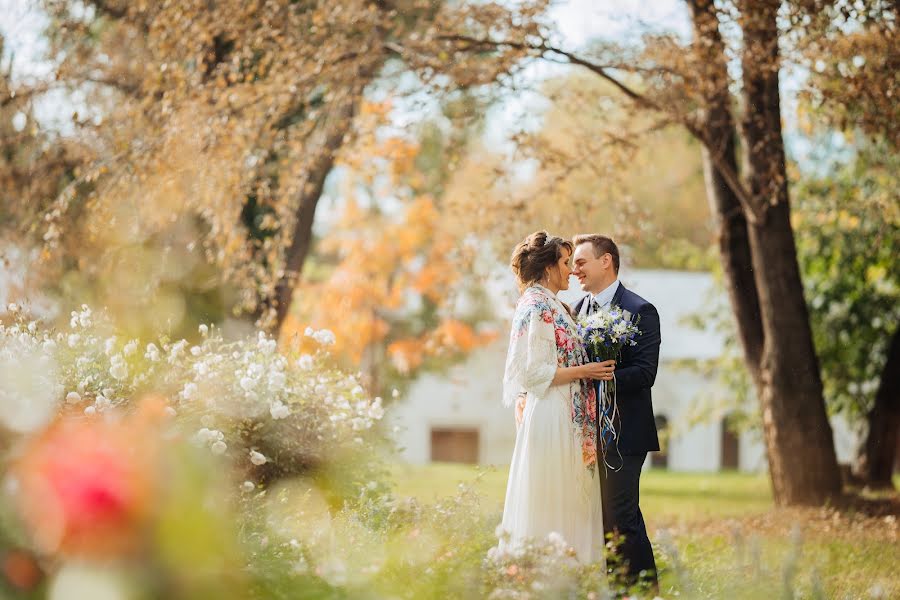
(596, 265)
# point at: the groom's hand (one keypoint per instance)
(520, 408)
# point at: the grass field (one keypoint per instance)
(718, 535)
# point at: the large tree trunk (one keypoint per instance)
(717, 125)
(876, 461)
(301, 237)
(799, 442)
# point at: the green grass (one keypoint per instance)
(664, 494)
(725, 531)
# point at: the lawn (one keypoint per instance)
(719, 535)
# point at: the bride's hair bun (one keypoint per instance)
(532, 256)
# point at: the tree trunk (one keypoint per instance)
(875, 464)
(800, 447)
(311, 191)
(717, 124)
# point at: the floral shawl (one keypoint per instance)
(543, 338)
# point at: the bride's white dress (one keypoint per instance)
(553, 479)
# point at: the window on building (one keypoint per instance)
(661, 459)
(450, 444)
(730, 444)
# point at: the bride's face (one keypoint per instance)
(558, 274)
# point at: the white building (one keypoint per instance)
(458, 416)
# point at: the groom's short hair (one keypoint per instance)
(602, 245)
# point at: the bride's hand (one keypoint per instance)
(520, 408)
(600, 371)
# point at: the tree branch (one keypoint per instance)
(728, 173)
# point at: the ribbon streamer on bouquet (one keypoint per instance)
(608, 418)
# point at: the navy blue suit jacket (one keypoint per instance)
(635, 375)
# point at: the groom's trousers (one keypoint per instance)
(621, 493)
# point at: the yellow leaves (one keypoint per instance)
(876, 273)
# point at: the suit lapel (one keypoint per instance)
(579, 306)
(617, 297)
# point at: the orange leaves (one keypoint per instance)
(450, 337)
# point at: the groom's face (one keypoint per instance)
(590, 270)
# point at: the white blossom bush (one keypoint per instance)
(273, 413)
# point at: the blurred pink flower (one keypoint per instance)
(87, 486)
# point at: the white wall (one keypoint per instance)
(469, 395)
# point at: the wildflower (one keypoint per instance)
(305, 362)
(119, 371)
(279, 410)
(257, 458)
(218, 447)
(73, 398)
(204, 330)
(130, 348)
(189, 390)
(248, 486)
(277, 380)
(152, 353)
(86, 489)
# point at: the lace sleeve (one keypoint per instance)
(531, 361)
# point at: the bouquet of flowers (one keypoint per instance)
(605, 334)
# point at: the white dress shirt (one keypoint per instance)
(602, 298)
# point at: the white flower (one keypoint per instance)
(376, 411)
(308, 332)
(395, 393)
(196, 351)
(204, 330)
(357, 391)
(219, 447)
(247, 384)
(557, 541)
(109, 345)
(248, 486)
(305, 362)
(202, 368)
(73, 398)
(189, 390)
(279, 410)
(73, 340)
(130, 348)
(169, 411)
(119, 371)
(277, 380)
(12, 307)
(257, 458)
(324, 337)
(152, 352)
(90, 410)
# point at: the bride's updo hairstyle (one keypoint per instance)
(534, 254)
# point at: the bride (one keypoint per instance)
(554, 485)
